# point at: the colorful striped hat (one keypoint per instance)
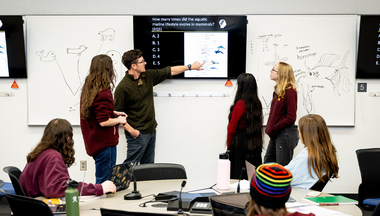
(270, 186)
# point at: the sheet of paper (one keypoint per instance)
(318, 211)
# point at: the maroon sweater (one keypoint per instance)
(47, 176)
(97, 138)
(238, 120)
(283, 112)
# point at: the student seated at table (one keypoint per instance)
(318, 158)
(46, 172)
(270, 189)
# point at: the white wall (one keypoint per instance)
(191, 131)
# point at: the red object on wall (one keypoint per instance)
(14, 84)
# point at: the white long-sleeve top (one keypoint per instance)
(299, 169)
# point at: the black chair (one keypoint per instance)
(25, 206)
(376, 212)
(370, 173)
(14, 174)
(159, 171)
(111, 212)
(319, 185)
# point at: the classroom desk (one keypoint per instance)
(116, 201)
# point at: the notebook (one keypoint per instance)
(332, 200)
(121, 175)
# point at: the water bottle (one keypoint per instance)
(72, 199)
(223, 172)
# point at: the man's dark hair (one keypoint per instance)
(130, 57)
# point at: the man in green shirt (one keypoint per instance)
(134, 96)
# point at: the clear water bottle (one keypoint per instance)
(72, 199)
(223, 172)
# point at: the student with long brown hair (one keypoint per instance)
(46, 173)
(99, 122)
(245, 128)
(282, 116)
(318, 160)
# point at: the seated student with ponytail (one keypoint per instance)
(270, 190)
(318, 160)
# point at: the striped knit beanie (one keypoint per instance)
(270, 186)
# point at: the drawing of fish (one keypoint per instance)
(327, 69)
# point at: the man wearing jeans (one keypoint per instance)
(134, 96)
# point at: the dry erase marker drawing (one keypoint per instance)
(337, 75)
(327, 68)
(116, 60)
(77, 51)
(75, 85)
(107, 33)
(51, 57)
(266, 107)
(277, 57)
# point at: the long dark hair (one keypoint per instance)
(101, 76)
(247, 91)
(58, 135)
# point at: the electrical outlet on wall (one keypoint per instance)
(83, 165)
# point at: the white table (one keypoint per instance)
(116, 201)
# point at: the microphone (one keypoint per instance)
(241, 174)
(180, 211)
(135, 194)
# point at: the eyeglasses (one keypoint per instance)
(274, 70)
(143, 61)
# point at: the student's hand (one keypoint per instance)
(122, 119)
(108, 187)
(197, 66)
(120, 113)
(135, 133)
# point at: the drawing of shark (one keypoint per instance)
(326, 69)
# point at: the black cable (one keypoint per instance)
(203, 189)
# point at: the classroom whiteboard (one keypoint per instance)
(322, 52)
(59, 53)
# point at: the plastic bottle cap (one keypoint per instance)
(223, 156)
(72, 183)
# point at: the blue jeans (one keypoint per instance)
(141, 149)
(104, 161)
(281, 147)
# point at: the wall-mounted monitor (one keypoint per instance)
(181, 40)
(368, 64)
(12, 47)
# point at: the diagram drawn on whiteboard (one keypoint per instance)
(74, 83)
(310, 77)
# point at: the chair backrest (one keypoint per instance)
(376, 212)
(319, 185)
(370, 174)
(111, 212)
(14, 174)
(25, 206)
(159, 171)
(366, 159)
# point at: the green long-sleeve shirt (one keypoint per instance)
(135, 98)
